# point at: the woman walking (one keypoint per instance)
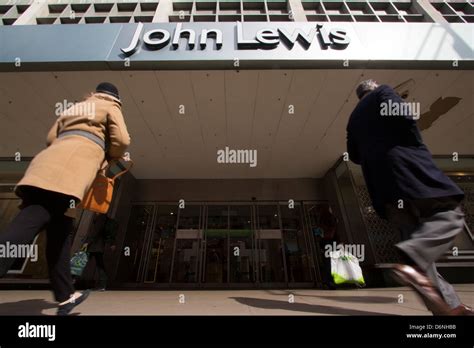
(58, 178)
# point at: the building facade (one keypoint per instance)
(203, 82)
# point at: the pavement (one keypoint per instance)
(380, 301)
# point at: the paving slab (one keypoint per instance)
(380, 301)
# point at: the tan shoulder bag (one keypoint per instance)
(99, 196)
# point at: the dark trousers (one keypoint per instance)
(100, 266)
(45, 210)
(428, 228)
(326, 261)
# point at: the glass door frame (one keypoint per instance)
(253, 250)
(316, 254)
(148, 244)
(258, 232)
(228, 283)
(200, 242)
(205, 217)
(144, 257)
(255, 240)
(308, 242)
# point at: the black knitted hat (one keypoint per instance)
(108, 88)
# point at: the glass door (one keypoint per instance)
(216, 252)
(269, 245)
(187, 259)
(135, 245)
(298, 252)
(312, 218)
(215, 244)
(160, 244)
(241, 244)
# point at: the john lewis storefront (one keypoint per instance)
(220, 244)
(283, 89)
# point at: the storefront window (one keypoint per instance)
(270, 245)
(268, 217)
(241, 244)
(189, 217)
(216, 235)
(217, 244)
(186, 261)
(135, 242)
(296, 248)
(160, 253)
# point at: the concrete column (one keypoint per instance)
(297, 10)
(164, 9)
(425, 7)
(36, 9)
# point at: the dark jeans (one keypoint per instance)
(326, 261)
(44, 210)
(428, 228)
(100, 265)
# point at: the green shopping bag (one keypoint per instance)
(345, 268)
(79, 262)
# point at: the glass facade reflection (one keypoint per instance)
(160, 247)
(296, 243)
(219, 245)
(242, 244)
(216, 244)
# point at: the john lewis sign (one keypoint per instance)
(219, 45)
(266, 38)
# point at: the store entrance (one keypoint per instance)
(218, 245)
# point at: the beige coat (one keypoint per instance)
(69, 164)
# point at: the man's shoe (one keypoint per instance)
(462, 310)
(66, 308)
(409, 276)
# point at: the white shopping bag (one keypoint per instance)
(345, 268)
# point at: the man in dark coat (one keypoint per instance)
(407, 189)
